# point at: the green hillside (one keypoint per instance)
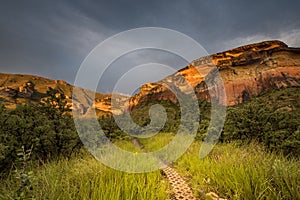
(257, 156)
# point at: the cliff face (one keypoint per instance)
(246, 72)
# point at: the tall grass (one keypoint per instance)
(246, 172)
(157, 142)
(236, 172)
(86, 178)
(231, 171)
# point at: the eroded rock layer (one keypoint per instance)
(245, 72)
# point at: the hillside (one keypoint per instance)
(246, 72)
(19, 89)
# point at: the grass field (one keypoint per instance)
(83, 177)
(236, 172)
(231, 171)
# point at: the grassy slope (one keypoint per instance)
(83, 177)
(236, 172)
(242, 172)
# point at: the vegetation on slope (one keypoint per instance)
(271, 119)
(47, 127)
(235, 169)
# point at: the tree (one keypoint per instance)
(63, 135)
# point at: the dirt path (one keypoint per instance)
(180, 188)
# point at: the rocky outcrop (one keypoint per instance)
(8, 92)
(242, 55)
(24, 91)
(246, 71)
(114, 104)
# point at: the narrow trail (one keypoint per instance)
(180, 189)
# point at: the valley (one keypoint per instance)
(256, 157)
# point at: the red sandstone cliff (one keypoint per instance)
(245, 71)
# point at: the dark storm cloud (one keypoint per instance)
(47, 39)
(51, 38)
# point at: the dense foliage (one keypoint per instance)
(47, 127)
(272, 119)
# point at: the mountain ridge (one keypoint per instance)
(24, 88)
(246, 72)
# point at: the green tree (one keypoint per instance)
(63, 135)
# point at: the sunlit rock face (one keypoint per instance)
(246, 72)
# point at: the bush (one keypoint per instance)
(276, 128)
(48, 127)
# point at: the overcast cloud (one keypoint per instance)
(52, 38)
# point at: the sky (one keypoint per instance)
(53, 38)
